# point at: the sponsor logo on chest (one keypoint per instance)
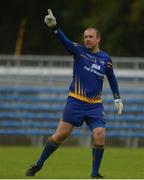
(95, 66)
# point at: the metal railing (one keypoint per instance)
(65, 61)
(40, 69)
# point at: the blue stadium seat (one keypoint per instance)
(36, 111)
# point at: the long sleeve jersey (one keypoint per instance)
(89, 70)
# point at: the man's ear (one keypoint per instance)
(98, 39)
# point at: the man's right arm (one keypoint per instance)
(69, 45)
(50, 20)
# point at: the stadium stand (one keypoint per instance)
(36, 111)
(31, 104)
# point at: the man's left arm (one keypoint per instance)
(114, 87)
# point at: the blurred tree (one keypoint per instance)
(119, 21)
(121, 25)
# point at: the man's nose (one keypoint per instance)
(88, 39)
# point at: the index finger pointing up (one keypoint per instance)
(50, 13)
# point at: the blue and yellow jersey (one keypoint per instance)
(89, 70)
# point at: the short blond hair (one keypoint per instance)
(96, 30)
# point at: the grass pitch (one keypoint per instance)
(71, 163)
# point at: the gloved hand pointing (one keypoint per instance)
(50, 20)
(118, 105)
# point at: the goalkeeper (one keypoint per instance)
(84, 103)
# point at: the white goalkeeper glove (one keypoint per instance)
(50, 20)
(119, 105)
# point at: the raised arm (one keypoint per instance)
(50, 20)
